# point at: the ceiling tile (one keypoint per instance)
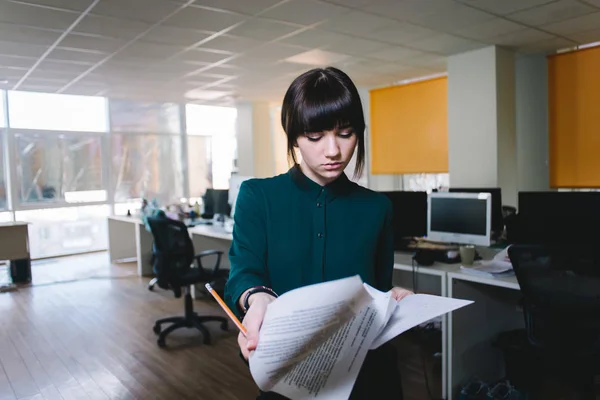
(552, 12)
(75, 5)
(305, 12)
(235, 44)
(245, 7)
(576, 25)
(205, 19)
(586, 37)
(101, 44)
(111, 27)
(452, 18)
(18, 62)
(40, 88)
(275, 51)
(394, 53)
(551, 44)
(400, 33)
(356, 46)
(492, 28)
(407, 10)
(202, 56)
(595, 3)
(28, 35)
(356, 23)
(521, 38)
(150, 11)
(174, 36)
(350, 3)
(20, 49)
(55, 74)
(147, 51)
(447, 44)
(263, 29)
(504, 7)
(75, 55)
(314, 38)
(21, 14)
(51, 65)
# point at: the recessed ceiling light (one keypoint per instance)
(317, 57)
(3, 81)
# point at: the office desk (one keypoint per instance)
(473, 329)
(129, 239)
(14, 241)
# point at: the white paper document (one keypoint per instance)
(314, 339)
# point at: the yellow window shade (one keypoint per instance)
(574, 119)
(409, 128)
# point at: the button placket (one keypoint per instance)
(320, 218)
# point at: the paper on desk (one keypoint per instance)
(414, 310)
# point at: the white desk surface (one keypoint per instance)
(213, 231)
(509, 282)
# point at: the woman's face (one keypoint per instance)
(326, 154)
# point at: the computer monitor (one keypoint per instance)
(409, 218)
(461, 218)
(497, 216)
(216, 202)
(552, 218)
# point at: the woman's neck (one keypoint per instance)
(310, 174)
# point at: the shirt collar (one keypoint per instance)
(332, 190)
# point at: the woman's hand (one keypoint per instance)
(252, 321)
(399, 293)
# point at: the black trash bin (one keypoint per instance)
(20, 270)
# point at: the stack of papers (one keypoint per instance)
(498, 266)
(314, 339)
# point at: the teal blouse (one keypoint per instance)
(291, 232)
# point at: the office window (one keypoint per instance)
(132, 116)
(219, 124)
(46, 111)
(2, 116)
(3, 186)
(6, 216)
(59, 168)
(69, 230)
(199, 165)
(424, 182)
(147, 166)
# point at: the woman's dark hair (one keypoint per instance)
(319, 100)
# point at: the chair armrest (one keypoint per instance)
(205, 253)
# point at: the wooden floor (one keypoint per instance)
(90, 337)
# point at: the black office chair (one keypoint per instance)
(173, 258)
(561, 307)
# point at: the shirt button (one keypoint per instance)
(319, 205)
(319, 235)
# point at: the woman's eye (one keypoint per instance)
(346, 134)
(313, 138)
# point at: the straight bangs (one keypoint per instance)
(325, 105)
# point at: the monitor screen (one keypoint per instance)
(559, 218)
(409, 216)
(497, 216)
(462, 218)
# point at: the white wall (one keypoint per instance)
(244, 139)
(532, 122)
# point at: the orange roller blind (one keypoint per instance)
(574, 119)
(409, 128)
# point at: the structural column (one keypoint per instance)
(481, 121)
(254, 139)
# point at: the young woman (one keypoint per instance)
(312, 224)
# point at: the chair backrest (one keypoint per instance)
(561, 295)
(173, 249)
